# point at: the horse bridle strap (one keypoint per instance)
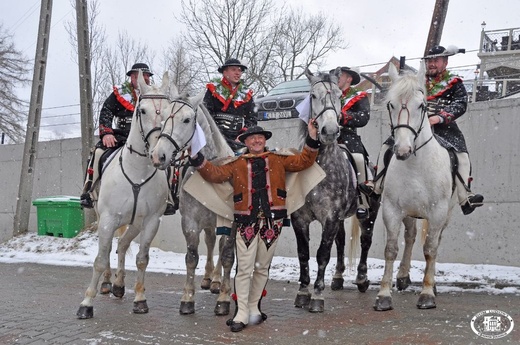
(178, 147)
(329, 93)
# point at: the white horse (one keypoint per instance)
(132, 193)
(176, 136)
(418, 185)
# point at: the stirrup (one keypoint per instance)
(362, 213)
(368, 190)
(474, 201)
(170, 209)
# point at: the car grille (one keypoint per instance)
(286, 103)
(280, 104)
(269, 105)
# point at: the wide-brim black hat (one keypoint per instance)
(356, 78)
(437, 51)
(139, 66)
(232, 62)
(254, 130)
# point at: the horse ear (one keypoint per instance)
(421, 74)
(174, 91)
(196, 101)
(141, 84)
(312, 78)
(392, 72)
(165, 82)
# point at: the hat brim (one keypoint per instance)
(137, 70)
(222, 68)
(242, 137)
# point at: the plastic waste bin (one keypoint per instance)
(59, 216)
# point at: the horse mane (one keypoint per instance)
(405, 87)
(216, 144)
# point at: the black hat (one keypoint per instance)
(437, 51)
(355, 75)
(140, 66)
(254, 130)
(232, 62)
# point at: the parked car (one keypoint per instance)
(281, 101)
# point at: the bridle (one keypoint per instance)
(405, 110)
(178, 148)
(146, 136)
(329, 95)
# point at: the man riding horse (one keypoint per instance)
(447, 101)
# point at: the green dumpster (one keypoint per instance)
(59, 216)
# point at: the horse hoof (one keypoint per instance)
(302, 300)
(118, 291)
(140, 307)
(187, 308)
(85, 312)
(363, 286)
(105, 289)
(383, 303)
(426, 302)
(403, 283)
(337, 284)
(206, 282)
(222, 308)
(215, 287)
(317, 306)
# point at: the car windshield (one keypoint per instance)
(291, 86)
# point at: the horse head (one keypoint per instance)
(406, 103)
(151, 110)
(178, 128)
(325, 105)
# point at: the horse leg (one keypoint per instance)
(227, 259)
(106, 284)
(301, 231)
(101, 263)
(367, 230)
(209, 239)
(384, 296)
(192, 259)
(151, 225)
(403, 274)
(337, 278)
(118, 288)
(330, 230)
(431, 245)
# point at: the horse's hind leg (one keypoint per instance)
(367, 230)
(403, 273)
(337, 278)
(192, 259)
(227, 258)
(431, 245)
(101, 263)
(301, 231)
(106, 284)
(118, 288)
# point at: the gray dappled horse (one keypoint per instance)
(176, 136)
(418, 185)
(332, 201)
(132, 193)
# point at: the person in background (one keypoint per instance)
(447, 101)
(355, 113)
(258, 179)
(115, 120)
(230, 103)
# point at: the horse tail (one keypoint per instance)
(424, 230)
(354, 243)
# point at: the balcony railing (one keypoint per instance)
(500, 40)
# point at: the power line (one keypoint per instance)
(21, 20)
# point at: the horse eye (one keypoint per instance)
(313, 95)
(186, 121)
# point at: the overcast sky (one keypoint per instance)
(374, 31)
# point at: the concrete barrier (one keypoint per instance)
(488, 236)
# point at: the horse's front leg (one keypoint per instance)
(403, 274)
(151, 225)
(101, 263)
(330, 230)
(301, 231)
(384, 296)
(192, 260)
(227, 259)
(431, 245)
(367, 231)
(337, 278)
(118, 288)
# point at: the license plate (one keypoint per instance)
(272, 115)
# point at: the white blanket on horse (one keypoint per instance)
(218, 197)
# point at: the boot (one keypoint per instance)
(85, 200)
(474, 201)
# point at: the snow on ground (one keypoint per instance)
(81, 251)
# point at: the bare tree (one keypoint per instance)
(182, 73)
(13, 73)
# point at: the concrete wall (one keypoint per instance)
(488, 236)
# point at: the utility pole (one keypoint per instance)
(437, 24)
(23, 205)
(85, 89)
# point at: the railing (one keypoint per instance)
(500, 40)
